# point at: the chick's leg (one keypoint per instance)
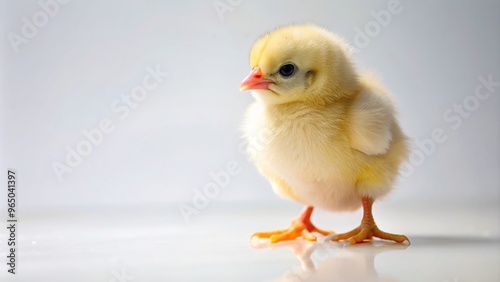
(368, 229)
(301, 226)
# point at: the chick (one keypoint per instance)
(320, 132)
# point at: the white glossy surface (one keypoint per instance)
(454, 244)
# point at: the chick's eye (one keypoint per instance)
(287, 70)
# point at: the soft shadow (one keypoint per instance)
(447, 241)
(334, 261)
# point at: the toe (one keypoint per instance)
(352, 241)
(322, 232)
(268, 234)
(363, 234)
(391, 237)
(284, 236)
(347, 235)
(308, 235)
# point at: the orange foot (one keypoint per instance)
(301, 226)
(368, 229)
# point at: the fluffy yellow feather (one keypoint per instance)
(323, 134)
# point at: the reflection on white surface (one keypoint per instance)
(335, 261)
(146, 243)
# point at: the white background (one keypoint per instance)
(65, 78)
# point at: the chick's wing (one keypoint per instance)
(371, 119)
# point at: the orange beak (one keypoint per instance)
(255, 80)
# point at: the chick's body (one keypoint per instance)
(308, 152)
(321, 133)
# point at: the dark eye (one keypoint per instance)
(287, 70)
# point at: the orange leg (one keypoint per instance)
(368, 229)
(301, 226)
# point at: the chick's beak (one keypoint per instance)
(255, 80)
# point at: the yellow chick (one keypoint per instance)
(320, 132)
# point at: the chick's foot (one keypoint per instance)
(368, 229)
(300, 227)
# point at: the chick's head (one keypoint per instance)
(300, 63)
